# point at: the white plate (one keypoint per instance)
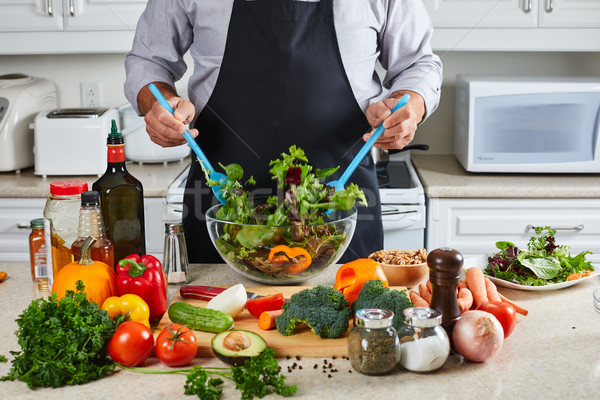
(481, 262)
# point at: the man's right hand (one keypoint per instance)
(166, 129)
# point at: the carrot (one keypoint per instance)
(417, 300)
(428, 284)
(492, 290)
(425, 293)
(574, 276)
(266, 320)
(518, 309)
(465, 299)
(587, 273)
(476, 283)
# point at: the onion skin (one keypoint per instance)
(478, 336)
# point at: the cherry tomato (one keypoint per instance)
(504, 312)
(131, 344)
(176, 345)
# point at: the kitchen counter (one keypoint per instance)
(155, 179)
(443, 176)
(550, 355)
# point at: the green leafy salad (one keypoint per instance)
(297, 217)
(541, 264)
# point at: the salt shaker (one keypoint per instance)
(424, 344)
(175, 258)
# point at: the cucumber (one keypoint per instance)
(199, 318)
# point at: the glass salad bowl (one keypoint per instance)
(281, 254)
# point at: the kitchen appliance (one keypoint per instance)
(22, 97)
(72, 141)
(139, 147)
(402, 201)
(527, 124)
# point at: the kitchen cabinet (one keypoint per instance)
(515, 25)
(68, 26)
(473, 225)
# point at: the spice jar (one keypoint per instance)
(37, 250)
(373, 346)
(424, 342)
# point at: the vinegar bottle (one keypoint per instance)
(91, 224)
(121, 200)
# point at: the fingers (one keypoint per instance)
(400, 127)
(165, 129)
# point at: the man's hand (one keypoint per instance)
(165, 129)
(401, 126)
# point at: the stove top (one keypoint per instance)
(394, 175)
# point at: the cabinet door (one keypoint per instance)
(97, 15)
(15, 215)
(570, 13)
(483, 13)
(30, 15)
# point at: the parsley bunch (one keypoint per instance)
(62, 342)
(256, 378)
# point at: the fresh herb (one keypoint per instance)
(544, 262)
(258, 377)
(63, 342)
(3, 358)
(294, 217)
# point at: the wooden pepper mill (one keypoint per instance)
(445, 266)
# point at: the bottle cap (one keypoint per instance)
(114, 137)
(374, 318)
(422, 317)
(37, 223)
(90, 198)
(66, 188)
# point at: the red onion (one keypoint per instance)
(478, 336)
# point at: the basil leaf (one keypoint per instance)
(503, 245)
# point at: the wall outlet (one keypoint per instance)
(91, 94)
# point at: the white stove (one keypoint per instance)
(402, 203)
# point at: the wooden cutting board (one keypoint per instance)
(303, 343)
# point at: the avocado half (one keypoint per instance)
(236, 346)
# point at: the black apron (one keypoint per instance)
(281, 82)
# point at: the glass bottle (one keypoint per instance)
(175, 259)
(61, 220)
(91, 224)
(37, 250)
(373, 346)
(425, 344)
(122, 201)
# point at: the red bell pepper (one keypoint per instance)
(267, 303)
(143, 275)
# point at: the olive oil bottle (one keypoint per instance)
(122, 201)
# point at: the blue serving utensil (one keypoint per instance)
(212, 174)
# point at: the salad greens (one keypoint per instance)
(544, 262)
(296, 216)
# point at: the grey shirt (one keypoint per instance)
(395, 32)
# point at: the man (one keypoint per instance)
(272, 73)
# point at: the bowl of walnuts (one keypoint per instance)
(403, 267)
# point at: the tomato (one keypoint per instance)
(266, 303)
(504, 312)
(176, 345)
(131, 344)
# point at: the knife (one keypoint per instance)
(207, 292)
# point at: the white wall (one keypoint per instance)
(68, 71)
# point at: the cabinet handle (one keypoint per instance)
(560, 228)
(72, 8)
(22, 225)
(49, 9)
(527, 8)
(549, 6)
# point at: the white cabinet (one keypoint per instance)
(515, 24)
(68, 26)
(473, 226)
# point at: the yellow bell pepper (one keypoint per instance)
(130, 304)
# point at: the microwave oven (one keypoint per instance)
(527, 125)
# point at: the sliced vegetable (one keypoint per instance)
(266, 320)
(478, 336)
(235, 347)
(351, 277)
(230, 301)
(292, 253)
(176, 345)
(131, 344)
(131, 305)
(199, 318)
(267, 303)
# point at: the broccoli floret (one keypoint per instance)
(374, 295)
(324, 309)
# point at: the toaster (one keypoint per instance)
(22, 97)
(72, 141)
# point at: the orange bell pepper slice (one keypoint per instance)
(351, 277)
(293, 253)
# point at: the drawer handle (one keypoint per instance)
(22, 225)
(527, 8)
(49, 9)
(71, 8)
(549, 6)
(560, 228)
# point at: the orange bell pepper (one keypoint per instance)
(351, 277)
(291, 252)
(130, 304)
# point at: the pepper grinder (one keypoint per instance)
(445, 265)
